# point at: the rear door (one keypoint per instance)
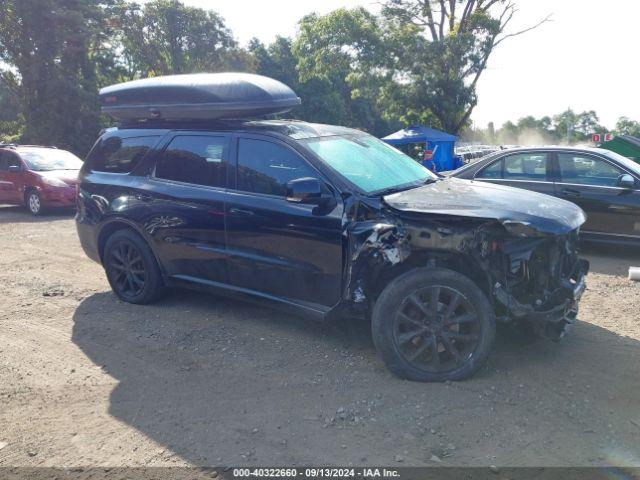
(591, 182)
(276, 247)
(184, 206)
(530, 170)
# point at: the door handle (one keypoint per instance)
(568, 192)
(240, 211)
(143, 198)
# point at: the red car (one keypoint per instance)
(38, 177)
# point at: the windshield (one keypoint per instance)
(45, 159)
(370, 164)
(624, 161)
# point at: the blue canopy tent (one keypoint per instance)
(440, 143)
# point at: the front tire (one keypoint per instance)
(131, 268)
(433, 325)
(34, 203)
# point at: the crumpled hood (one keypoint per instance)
(510, 206)
(70, 177)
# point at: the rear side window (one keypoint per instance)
(195, 159)
(266, 167)
(120, 155)
(9, 159)
(521, 166)
(526, 166)
(492, 171)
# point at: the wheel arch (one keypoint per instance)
(115, 225)
(27, 191)
(461, 263)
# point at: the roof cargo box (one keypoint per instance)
(201, 96)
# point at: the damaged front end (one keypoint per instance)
(540, 282)
(531, 275)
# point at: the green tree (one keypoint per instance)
(442, 64)
(11, 122)
(320, 101)
(574, 127)
(626, 126)
(341, 54)
(49, 47)
(508, 133)
(167, 37)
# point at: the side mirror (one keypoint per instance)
(626, 181)
(15, 168)
(305, 190)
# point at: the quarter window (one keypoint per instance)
(587, 170)
(120, 155)
(266, 167)
(195, 159)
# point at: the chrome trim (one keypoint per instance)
(512, 180)
(626, 235)
(595, 186)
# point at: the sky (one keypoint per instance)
(586, 58)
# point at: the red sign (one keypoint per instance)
(608, 137)
(595, 138)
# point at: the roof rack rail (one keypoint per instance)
(8, 144)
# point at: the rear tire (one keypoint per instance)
(433, 325)
(33, 203)
(131, 268)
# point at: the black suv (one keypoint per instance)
(330, 222)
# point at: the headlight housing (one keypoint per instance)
(521, 229)
(54, 182)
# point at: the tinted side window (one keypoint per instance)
(525, 166)
(120, 155)
(587, 170)
(266, 167)
(492, 171)
(194, 159)
(13, 161)
(9, 159)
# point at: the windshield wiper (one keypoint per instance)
(400, 188)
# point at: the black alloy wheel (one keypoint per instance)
(128, 270)
(436, 329)
(131, 268)
(432, 325)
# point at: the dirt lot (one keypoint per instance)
(86, 380)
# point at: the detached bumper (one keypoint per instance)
(552, 321)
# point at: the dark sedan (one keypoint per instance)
(604, 184)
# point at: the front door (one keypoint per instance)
(591, 182)
(276, 247)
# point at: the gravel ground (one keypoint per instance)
(86, 380)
